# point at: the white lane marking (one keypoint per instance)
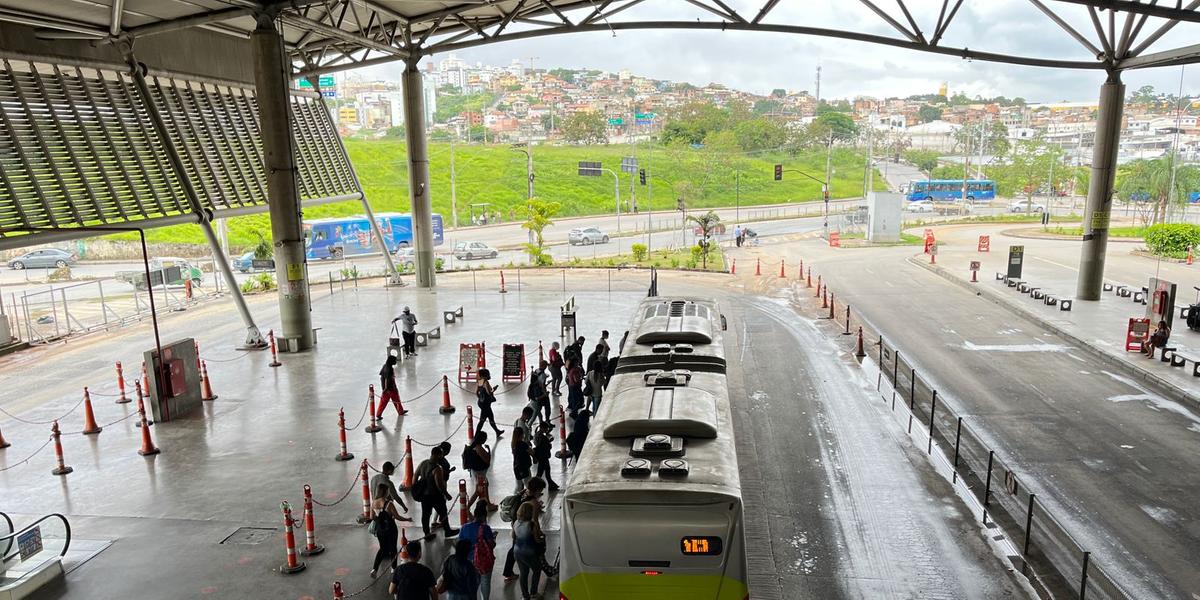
(1015, 347)
(1056, 263)
(1155, 402)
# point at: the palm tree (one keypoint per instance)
(708, 224)
(1155, 178)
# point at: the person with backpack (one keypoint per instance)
(556, 369)
(388, 392)
(485, 397)
(459, 580)
(543, 442)
(477, 458)
(539, 397)
(579, 433)
(597, 366)
(384, 527)
(575, 396)
(483, 548)
(522, 454)
(525, 422)
(429, 488)
(508, 513)
(413, 580)
(529, 547)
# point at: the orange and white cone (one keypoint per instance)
(311, 546)
(274, 353)
(446, 407)
(503, 290)
(470, 425)
(859, 350)
(343, 455)
(3, 442)
(464, 513)
(408, 465)
(148, 448)
(338, 594)
(374, 426)
(781, 269)
(145, 379)
(293, 564)
(61, 467)
(122, 398)
(367, 513)
(757, 267)
(206, 392)
(563, 452)
(89, 418)
(733, 267)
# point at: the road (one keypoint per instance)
(1114, 459)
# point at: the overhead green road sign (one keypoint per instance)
(616, 121)
(326, 81)
(644, 116)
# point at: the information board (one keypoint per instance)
(471, 358)
(30, 543)
(513, 363)
(835, 239)
(1016, 259)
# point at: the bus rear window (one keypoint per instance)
(618, 536)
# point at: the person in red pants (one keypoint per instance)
(387, 385)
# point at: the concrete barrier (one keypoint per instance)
(452, 316)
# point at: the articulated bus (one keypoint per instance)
(346, 236)
(949, 190)
(653, 509)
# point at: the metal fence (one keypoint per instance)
(1049, 554)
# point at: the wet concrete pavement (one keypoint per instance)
(857, 517)
(1113, 458)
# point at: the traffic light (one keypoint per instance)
(778, 172)
(679, 204)
(642, 176)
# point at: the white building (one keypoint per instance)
(934, 135)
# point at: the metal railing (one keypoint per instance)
(48, 546)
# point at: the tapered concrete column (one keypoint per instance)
(272, 74)
(1099, 202)
(418, 174)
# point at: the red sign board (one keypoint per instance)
(974, 265)
(1137, 334)
(985, 243)
(835, 239)
(471, 358)
(930, 243)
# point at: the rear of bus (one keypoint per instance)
(685, 546)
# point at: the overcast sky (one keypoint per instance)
(759, 62)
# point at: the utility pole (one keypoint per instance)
(737, 194)
(828, 171)
(453, 189)
(867, 178)
(818, 85)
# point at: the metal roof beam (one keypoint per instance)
(890, 21)
(171, 25)
(1177, 13)
(114, 23)
(764, 11)
(1175, 56)
(1162, 30)
(1079, 37)
(342, 34)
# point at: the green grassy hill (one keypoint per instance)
(495, 174)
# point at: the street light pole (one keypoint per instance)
(826, 189)
(737, 194)
(521, 147)
(616, 194)
(453, 189)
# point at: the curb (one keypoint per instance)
(1173, 390)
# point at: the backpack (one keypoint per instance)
(471, 460)
(483, 557)
(422, 483)
(535, 387)
(508, 508)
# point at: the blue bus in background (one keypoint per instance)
(949, 190)
(346, 236)
(1194, 197)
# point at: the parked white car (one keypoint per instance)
(1021, 206)
(471, 250)
(586, 235)
(920, 206)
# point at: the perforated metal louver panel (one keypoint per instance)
(77, 148)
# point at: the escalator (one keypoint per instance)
(32, 555)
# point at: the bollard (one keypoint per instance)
(274, 354)
(831, 303)
(122, 398)
(503, 290)
(367, 513)
(141, 405)
(311, 546)
(148, 448)
(3, 442)
(89, 418)
(808, 278)
(932, 416)
(293, 565)
(859, 351)
(818, 294)
(145, 378)
(847, 331)
(464, 513)
(343, 455)
(196, 345)
(563, 452)
(800, 273)
(446, 407)
(408, 465)
(781, 271)
(470, 425)
(973, 277)
(825, 297)
(374, 426)
(757, 267)
(61, 468)
(337, 591)
(733, 267)
(206, 392)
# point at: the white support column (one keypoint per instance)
(1098, 211)
(418, 174)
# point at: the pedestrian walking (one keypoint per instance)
(543, 442)
(556, 369)
(483, 548)
(485, 397)
(539, 396)
(477, 458)
(522, 455)
(388, 392)
(529, 547)
(597, 367)
(413, 580)
(738, 236)
(429, 488)
(408, 328)
(604, 343)
(508, 512)
(383, 526)
(383, 480)
(575, 397)
(579, 433)
(459, 580)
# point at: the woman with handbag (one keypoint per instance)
(485, 397)
(383, 527)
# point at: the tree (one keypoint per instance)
(778, 93)
(540, 214)
(1144, 95)
(692, 121)
(1029, 165)
(1153, 177)
(395, 132)
(760, 134)
(765, 106)
(566, 75)
(841, 125)
(925, 160)
(585, 128)
(707, 223)
(928, 113)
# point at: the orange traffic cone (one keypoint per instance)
(148, 448)
(502, 288)
(89, 418)
(205, 383)
(757, 267)
(733, 267)
(408, 465)
(781, 272)
(859, 350)
(446, 407)
(3, 442)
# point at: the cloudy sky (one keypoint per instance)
(759, 62)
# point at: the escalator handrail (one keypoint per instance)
(15, 534)
(11, 529)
